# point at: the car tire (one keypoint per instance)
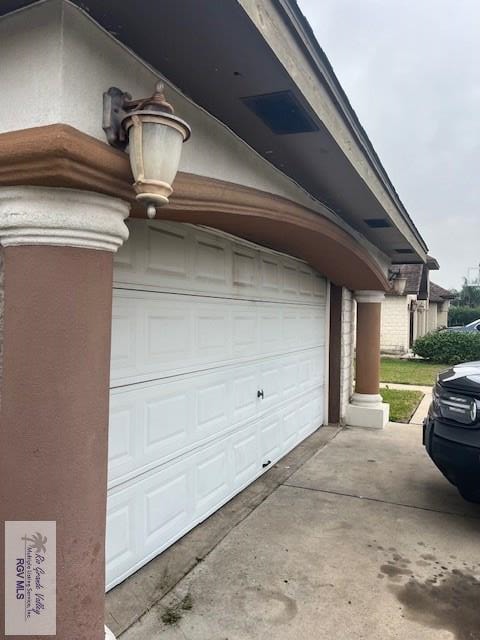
(469, 492)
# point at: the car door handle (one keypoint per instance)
(260, 394)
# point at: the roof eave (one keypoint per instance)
(300, 27)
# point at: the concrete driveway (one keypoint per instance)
(365, 540)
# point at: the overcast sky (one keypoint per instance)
(411, 69)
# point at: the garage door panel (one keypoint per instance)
(124, 539)
(289, 379)
(289, 427)
(168, 334)
(167, 256)
(161, 423)
(167, 418)
(290, 279)
(245, 456)
(123, 436)
(270, 328)
(210, 261)
(125, 329)
(213, 405)
(270, 275)
(213, 334)
(144, 516)
(309, 412)
(305, 282)
(172, 334)
(270, 382)
(245, 268)
(168, 505)
(212, 477)
(270, 438)
(245, 333)
(245, 400)
(154, 421)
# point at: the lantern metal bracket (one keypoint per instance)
(118, 104)
(393, 274)
(115, 103)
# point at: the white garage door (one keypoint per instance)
(218, 360)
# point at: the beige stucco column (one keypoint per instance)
(421, 318)
(58, 264)
(366, 408)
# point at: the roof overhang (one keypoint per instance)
(432, 263)
(220, 53)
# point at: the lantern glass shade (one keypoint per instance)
(399, 286)
(155, 147)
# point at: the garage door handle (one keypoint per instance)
(260, 393)
(265, 464)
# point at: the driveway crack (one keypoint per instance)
(396, 504)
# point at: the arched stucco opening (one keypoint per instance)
(61, 156)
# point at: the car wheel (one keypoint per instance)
(469, 492)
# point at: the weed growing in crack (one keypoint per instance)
(174, 613)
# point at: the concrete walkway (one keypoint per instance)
(422, 409)
(365, 541)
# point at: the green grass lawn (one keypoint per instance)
(409, 371)
(402, 403)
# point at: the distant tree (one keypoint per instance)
(455, 302)
(468, 296)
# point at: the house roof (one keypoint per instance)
(241, 61)
(418, 281)
(432, 263)
(413, 275)
(439, 294)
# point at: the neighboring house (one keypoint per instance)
(204, 345)
(413, 307)
(438, 306)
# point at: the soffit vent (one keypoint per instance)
(404, 251)
(378, 223)
(281, 112)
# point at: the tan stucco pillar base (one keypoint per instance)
(58, 265)
(366, 408)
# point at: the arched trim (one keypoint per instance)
(59, 155)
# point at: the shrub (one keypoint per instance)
(460, 316)
(448, 347)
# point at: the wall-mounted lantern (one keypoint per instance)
(154, 137)
(399, 286)
(398, 283)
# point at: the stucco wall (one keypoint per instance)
(432, 318)
(56, 64)
(442, 314)
(437, 315)
(395, 325)
(30, 69)
(347, 350)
